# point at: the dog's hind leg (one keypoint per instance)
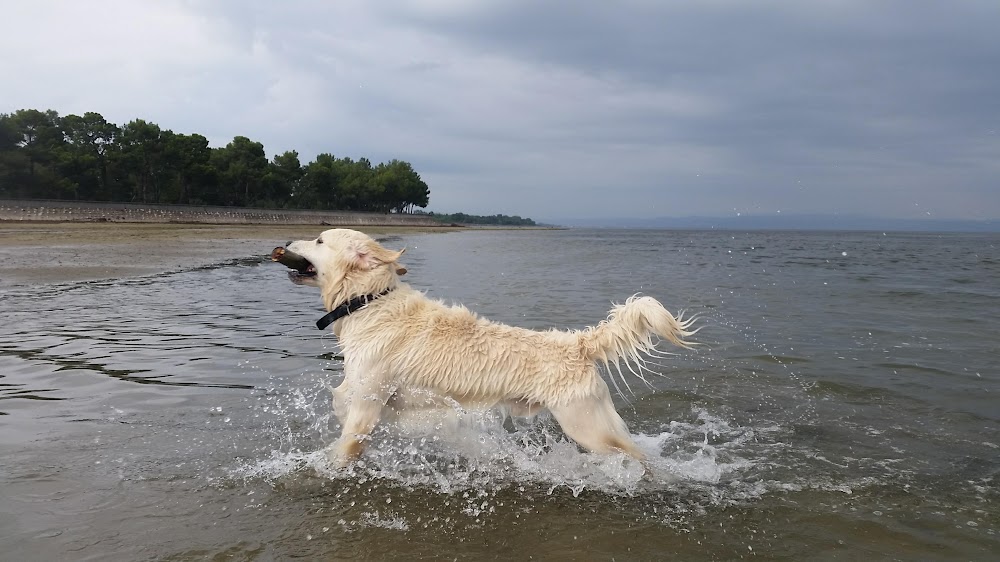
(364, 410)
(594, 424)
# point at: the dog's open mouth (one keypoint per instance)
(301, 268)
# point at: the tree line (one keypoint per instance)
(46, 156)
(462, 218)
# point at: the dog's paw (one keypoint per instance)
(344, 451)
(335, 458)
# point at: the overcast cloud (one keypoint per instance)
(560, 109)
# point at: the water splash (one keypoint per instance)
(457, 450)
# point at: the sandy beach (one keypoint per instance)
(32, 253)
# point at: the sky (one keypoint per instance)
(559, 109)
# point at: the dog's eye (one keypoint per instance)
(319, 240)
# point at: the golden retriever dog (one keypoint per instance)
(399, 344)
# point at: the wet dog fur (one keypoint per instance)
(404, 345)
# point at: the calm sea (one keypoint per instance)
(845, 406)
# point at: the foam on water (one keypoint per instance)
(471, 460)
(458, 450)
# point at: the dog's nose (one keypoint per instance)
(289, 243)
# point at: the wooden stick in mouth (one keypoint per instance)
(290, 259)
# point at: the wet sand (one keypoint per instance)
(33, 253)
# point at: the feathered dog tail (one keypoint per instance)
(628, 331)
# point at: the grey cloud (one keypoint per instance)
(570, 109)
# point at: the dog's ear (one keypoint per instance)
(369, 255)
(400, 268)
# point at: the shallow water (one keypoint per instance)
(844, 407)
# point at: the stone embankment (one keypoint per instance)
(86, 211)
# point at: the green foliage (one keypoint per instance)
(33, 165)
(141, 159)
(45, 156)
(89, 138)
(501, 220)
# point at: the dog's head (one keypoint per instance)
(347, 263)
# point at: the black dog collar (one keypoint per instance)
(347, 308)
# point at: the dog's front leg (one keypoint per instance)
(339, 397)
(363, 411)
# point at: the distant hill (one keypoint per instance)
(789, 222)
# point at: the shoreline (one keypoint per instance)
(43, 252)
(97, 211)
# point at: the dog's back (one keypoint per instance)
(425, 344)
